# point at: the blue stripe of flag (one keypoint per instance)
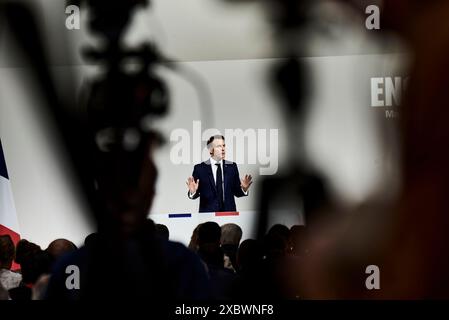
(179, 215)
(3, 171)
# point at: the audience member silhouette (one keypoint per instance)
(127, 258)
(34, 263)
(231, 234)
(8, 278)
(250, 279)
(276, 242)
(193, 244)
(221, 279)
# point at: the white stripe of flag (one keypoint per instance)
(8, 217)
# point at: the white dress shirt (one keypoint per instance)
(214, 172)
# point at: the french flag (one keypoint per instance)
(8, 217)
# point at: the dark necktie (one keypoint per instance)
(219, 186)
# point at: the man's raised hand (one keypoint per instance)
(246, 182)
(192, 185)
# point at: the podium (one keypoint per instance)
(182, 224)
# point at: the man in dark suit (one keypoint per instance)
(220, 180)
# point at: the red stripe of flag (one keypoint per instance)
(226, 213)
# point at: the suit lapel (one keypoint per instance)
(210, 175)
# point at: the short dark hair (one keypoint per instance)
(211, 139)
(209, 232)
(7, 250)
(162, 231)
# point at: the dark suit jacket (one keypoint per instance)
(209, 201)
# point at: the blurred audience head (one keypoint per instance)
(25, 248)
(230, 234)
(209, 249)
(59, 247)
(281, 230)
(209, 233)
(34, 265)
(162, 231)
(91, 239)
(276, 241)
(126, 187)
(193, 244)
(249, 255)
(7, 252)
